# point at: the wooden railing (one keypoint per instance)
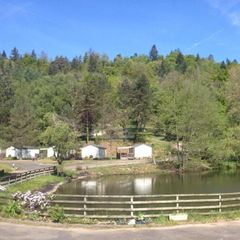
(97, 206)
(24, 176)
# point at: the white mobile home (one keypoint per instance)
(22, 153)
(12, 152)
(137, 151)
(142, 150)
(93, 151)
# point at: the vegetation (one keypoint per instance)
(188, 101)
(12, 209)
(56, 213)
(125, 170)
(35, 184)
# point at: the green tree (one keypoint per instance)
(22, 118)
(58, 134)
(59, 65)
(15, 56)
(4, 55)
(190, 116)
(153, 55)
(141, 105)
(181, 64)
(89, 95)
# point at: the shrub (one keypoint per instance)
(56, 213)
(12, 209)
(31, 201)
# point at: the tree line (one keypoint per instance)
(186, 99)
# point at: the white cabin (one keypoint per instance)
(51, 152)
(22, 153)
(137, 151)
(11, 152)
(142, 150)
(93, 151)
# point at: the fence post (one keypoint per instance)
(85, 206)
(220, 203)
(131, 206)
(177, 203)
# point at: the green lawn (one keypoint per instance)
(32, 185)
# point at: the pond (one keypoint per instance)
(210, 182)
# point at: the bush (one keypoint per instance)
(30, 200)
(56, 213)
(12, 209)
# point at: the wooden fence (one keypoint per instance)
(97, 206)
(24, 176)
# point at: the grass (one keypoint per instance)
(214, 217)
(49, 161)
(161, 147)
(125, 170)
(32, 185)
(6, 167)
(198, 218)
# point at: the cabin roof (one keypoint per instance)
(24, 147)
(139, 144)
(95, 145)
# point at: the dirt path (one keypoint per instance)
(216, 231)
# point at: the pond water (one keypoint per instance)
(210, 182)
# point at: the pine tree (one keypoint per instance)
(89, 96)
(223, 65)
(198, 57)
(181, 64)
(15, 56)
(33, 55)
(4, 55)
(153, 55)
(22, 119)
(93, 60)
(76, 63)
(59, 65)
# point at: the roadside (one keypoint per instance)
(23, 165)
(213, 231)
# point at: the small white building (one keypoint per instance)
(142, 150)
(22, 153)
(137, 151)
(93, 151)
(11, 152)
(51, 152)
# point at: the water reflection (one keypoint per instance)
(143, 185)
(155, 184)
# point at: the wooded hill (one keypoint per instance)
(186, 99)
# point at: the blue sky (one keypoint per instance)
(69, 28)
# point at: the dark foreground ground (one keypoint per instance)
(216, 231)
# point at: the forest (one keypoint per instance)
(188, 100)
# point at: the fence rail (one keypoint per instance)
(96, 206)
(21, 177)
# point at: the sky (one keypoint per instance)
(72, 27)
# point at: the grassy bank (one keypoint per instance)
(126, 170)
(136, 169)
(33, 185)
(197, 218)
(6, 167)
(162, 220)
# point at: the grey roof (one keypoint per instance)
(25, 147)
